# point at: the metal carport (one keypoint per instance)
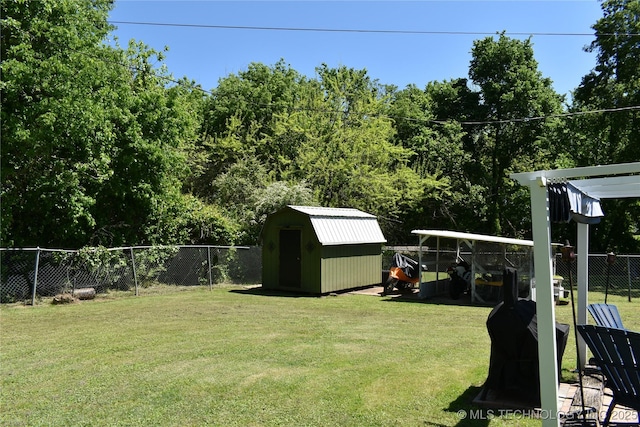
(469, 239)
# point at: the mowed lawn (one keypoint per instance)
(239, 357)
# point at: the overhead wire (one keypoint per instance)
(413, 119)
(432, 121)
(414, 32)
(356, 30)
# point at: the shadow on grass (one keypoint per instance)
(437, 300)
(469, 414)
(259, 290)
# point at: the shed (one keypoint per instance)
(319, 250)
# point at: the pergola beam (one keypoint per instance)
(613, 181)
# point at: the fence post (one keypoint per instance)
(629, 277)
(209, 267)
(133, 266)
(35, 277)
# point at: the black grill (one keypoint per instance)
(512, 326)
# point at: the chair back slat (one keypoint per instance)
(606, 315)
(617, 353)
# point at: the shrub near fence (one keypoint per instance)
(27, 274)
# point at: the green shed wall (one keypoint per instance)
(350, 266)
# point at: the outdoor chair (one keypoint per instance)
(606, 315)
(617, 353)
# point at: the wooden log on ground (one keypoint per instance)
(85, 293)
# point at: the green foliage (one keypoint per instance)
(150, 263)
(346, 151)
(234, 269)
(101, 146)
(280, 194)
(184, 218)
(95, 258)
(427, 123)
(325, 141)
(611, 137)
(272, 198)
(94, 143)
(55, 133)
(511, 89)
(245, 107)
(107, 266)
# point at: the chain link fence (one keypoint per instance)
(623, 275)
(27, 274)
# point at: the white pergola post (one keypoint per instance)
(583, 287)
(545, 304)
(605, 182)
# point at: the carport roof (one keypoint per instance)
(342, 226)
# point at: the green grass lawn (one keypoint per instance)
(235, 357)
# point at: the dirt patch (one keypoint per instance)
(379, 291)
(64, 299)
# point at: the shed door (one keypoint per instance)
(290, 258)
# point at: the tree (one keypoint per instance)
(244, 107)
(346, 152)
(156, 132)
(611, 137)
(94, 142)
(56, 135)
(276, 196)
(512, 91)
(613, 84)
(437, 154)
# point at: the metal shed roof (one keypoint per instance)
(342, 226)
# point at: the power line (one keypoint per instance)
(411, 119)
(539, 118)
(433, 121)
(371, 31)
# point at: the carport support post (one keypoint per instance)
(210, 267)
(629, 277)
(583, 294)
(547, 350)
(474, 295)
(437, 264)
(35, 278)
(422, 292)
(133, 266)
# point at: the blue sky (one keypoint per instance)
(208, 54)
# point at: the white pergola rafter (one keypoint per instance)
(604, 182)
